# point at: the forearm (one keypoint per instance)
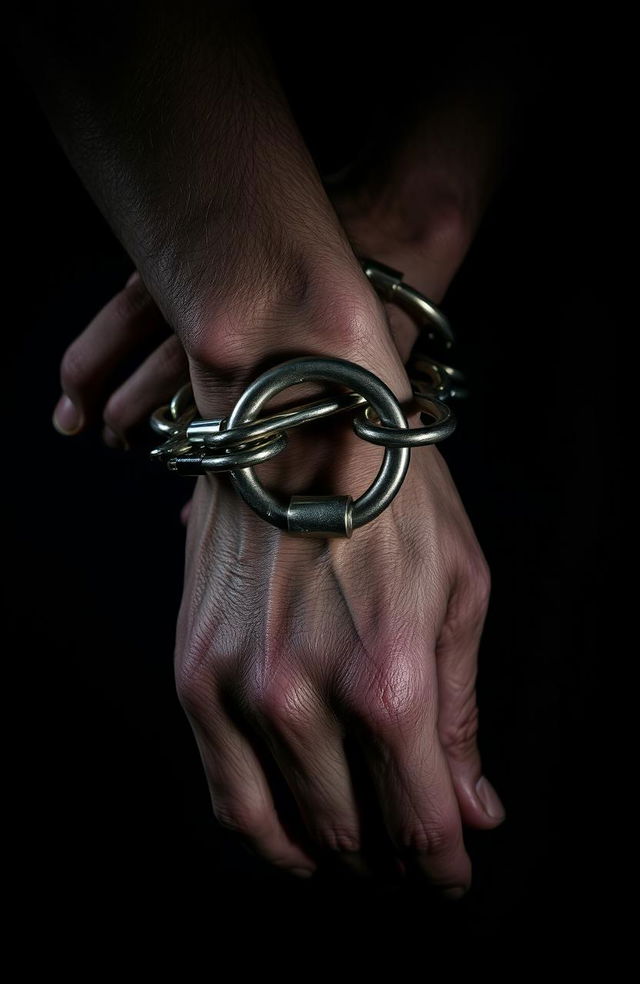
(182, 135)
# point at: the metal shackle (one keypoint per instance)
(333, 516)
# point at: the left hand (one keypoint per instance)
(127, 323)
(414, 206)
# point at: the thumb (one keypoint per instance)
(456, 659)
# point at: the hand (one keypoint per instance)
(91, 370)
(414, 714)
(423, 651)
(286, 647)
(413, 203)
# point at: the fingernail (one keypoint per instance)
(67, 419)
(113, 440)
(132, 279)
(302, 872)
(453, 894)
(490, 800)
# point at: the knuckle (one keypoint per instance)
(435, 837)
(338, 838)
(279, 706)
(265, 702)
(396, 697)
(200, 661)
(242, 819)
(387, 715)
(193, 690)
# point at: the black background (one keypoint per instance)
(111, 803)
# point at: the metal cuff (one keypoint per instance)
(236, 444)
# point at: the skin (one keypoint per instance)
(287, 647)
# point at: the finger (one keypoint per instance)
(306, 742)
(152, 384)
(456, 658)
(130, 319)
(240, 794)
(397, 730)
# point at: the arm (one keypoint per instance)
(179, 129)
(295, 643)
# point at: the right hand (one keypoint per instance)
(288, 647)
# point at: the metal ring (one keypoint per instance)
(430, 376)
(260, 451)
(202, 432)
(174, 417)
(392, 437)
(387, 482)
(162, 422)
(182, 401)
(176, 444)
(389, 284)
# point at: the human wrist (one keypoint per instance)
(331, 309)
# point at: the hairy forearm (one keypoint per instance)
(174, 118)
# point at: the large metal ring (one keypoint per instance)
(350, 515)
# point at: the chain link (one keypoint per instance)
(194, 446)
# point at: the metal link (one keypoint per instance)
(214, 433)
(434, 379)
(387, 483)
(444, 424)
(388, 283)
(199, 464)
(244, 439)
